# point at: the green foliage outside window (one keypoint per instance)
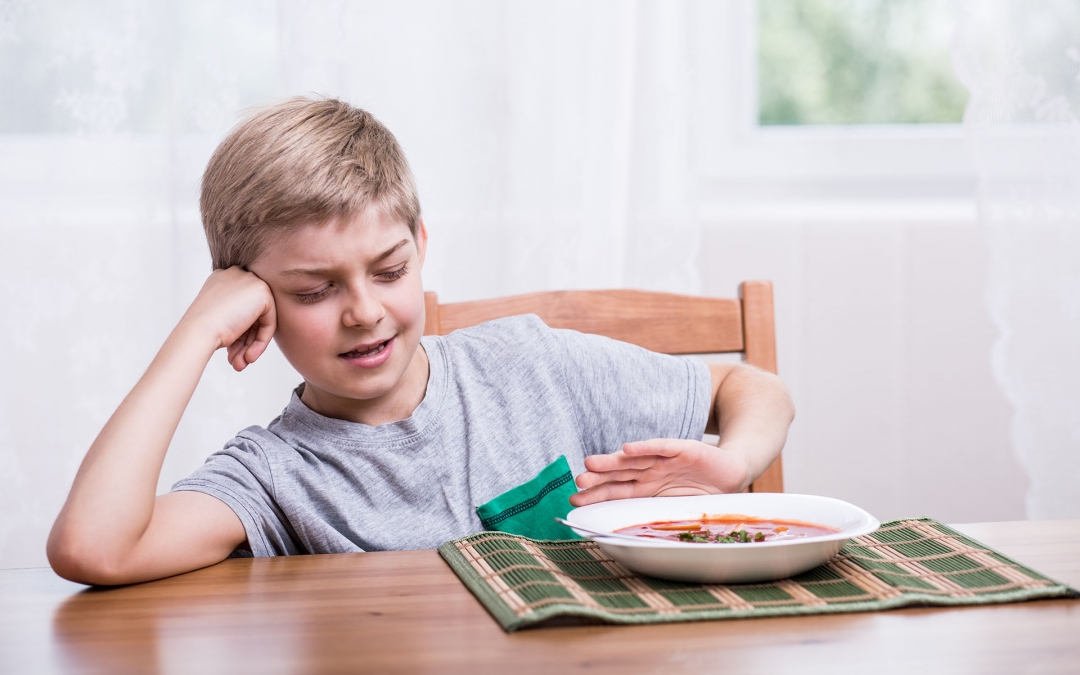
(856, 62)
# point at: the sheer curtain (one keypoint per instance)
(1021, 63)
(550, 141)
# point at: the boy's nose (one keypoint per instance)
(364, 311)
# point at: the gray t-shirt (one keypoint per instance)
(504, 400)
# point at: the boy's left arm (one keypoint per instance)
(751, 411)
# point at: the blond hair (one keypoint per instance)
(299, 162)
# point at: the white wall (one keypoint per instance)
(884, 341)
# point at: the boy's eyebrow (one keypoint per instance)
(390, 251)
(323, 271)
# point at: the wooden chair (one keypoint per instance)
(661, 322)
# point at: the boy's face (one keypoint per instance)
(350, 313)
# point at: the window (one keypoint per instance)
(856, 62)
(777, 107)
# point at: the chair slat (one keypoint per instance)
(760, 326)
(661, 322)
(760, 330)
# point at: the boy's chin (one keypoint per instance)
(372, 403)
(331, 396)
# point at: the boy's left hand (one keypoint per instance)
(661, 468)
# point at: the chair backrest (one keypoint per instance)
(662, 322)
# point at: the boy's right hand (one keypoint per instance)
(236, 308)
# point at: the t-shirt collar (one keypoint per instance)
(402, 430)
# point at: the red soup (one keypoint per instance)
(727, 529)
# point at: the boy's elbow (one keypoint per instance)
(789, 403)
(781, 393)
(82, 562)
(771, 384)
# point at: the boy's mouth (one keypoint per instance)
(363, 351)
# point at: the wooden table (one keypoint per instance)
(406, 612)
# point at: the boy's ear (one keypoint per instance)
(421, 241)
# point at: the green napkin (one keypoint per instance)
(530, 509)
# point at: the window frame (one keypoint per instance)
(739, 159)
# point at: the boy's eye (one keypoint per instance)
(393, 274)
(313, 297)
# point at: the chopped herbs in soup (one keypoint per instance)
(727, 529)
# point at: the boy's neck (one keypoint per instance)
(396, 405)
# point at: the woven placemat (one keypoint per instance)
(916, 561)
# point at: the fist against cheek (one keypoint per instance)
(237, 307)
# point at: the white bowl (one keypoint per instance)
(724, 563)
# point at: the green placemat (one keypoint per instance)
(919, 561)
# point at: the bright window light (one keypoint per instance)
(851, 62)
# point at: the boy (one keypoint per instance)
(314, 228)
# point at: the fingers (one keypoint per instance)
(234, 349)
(261, 334)
(617, 461)
(592, 479)
(639, 461)
(236, 353)
(247, 348)
(238, 308)
(642, 454)
(255, 351)
(657, 467)
(664, 447)
(608, 491)
(245, 351)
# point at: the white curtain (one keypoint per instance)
(550, 141)
(1021, 64)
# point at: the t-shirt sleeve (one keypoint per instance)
(623, 393)
(239, 475)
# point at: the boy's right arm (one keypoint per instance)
(113, 529)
